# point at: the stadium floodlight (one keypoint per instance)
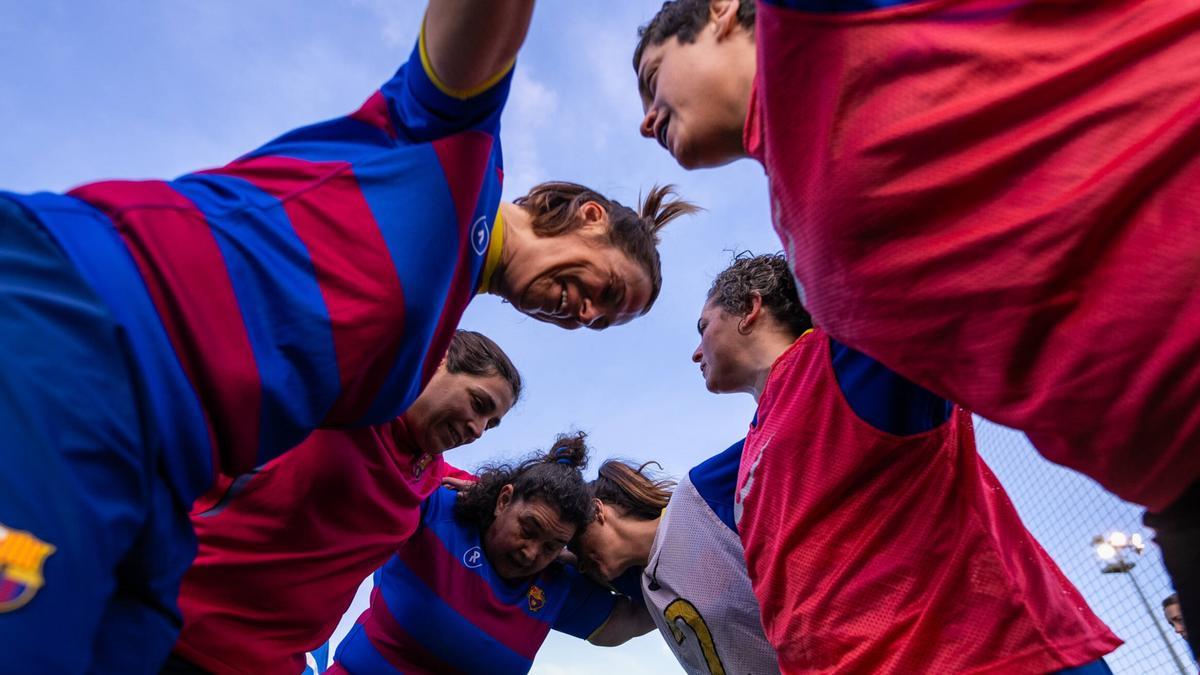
(1112, 550)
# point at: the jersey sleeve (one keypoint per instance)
(423, 108)
(715, 479)
(884, 399)
(587, 607)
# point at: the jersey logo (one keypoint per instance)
(537, 599)
(22, 556)
(473, 557)
(480, 235)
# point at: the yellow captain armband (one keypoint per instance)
(461, 94)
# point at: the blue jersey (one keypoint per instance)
(314, 281)
(439, 606)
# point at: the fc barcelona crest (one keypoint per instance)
(537, 598)
(22, 556)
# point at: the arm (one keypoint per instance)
(469, 42)
(628, 619)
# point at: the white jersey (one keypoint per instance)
(698, 591)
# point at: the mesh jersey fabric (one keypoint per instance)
(996, 199)
(699, 593)
(870, 552)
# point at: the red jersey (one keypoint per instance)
(283, 550)
(1012, 184)
(876, 553)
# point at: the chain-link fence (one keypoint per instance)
(1067, 513)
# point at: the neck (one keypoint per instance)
(640, 536)
(765, 353)
(518, 228)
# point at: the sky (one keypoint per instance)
(94, 90)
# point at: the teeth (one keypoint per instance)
(562, 302)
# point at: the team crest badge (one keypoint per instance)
(22, 556)
(537, 598)
(481, 234)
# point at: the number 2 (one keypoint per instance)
(682, 610)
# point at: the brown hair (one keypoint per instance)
(683, 19)
(476, 354)
(1172, 599)
(554, 208)
(553, 477)
(768, 276)
(631, 489)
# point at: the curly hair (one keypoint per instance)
(554, 477)
(683, 19)
(769, 277)
(554, 207)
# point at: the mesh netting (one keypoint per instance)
(1066, 512)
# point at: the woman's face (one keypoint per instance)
(723, 363)
(456, 408)
(578, 278)
(525, 537)
(599, 547)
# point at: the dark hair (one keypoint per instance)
(770, 277)
(1172, 599)
(476, 354)
(555, 477)
(683, 19)
(554, 207)
(636, 493)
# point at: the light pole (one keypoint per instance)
(1118, 552)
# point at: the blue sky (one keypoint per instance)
(146, 90)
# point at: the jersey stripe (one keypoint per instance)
(92, 242)
(185, 273)
(438, 242)
(470, 595)
(375, 112)
(395, 644)
(352, 266)
(440, 624)
(267, 261)
(458, 154)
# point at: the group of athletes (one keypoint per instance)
(225, 397)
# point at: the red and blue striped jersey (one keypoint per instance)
(315, 281)
(283, 550)
(439, 607)
(996, 198)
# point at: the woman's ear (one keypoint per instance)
(599, 508)
(594, 217)
(752, 316)
(503, 500)
(722, 14)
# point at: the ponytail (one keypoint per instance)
(554, 210)
(635, 492)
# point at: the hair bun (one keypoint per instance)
(569, 449)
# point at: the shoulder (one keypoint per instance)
(883, 398)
